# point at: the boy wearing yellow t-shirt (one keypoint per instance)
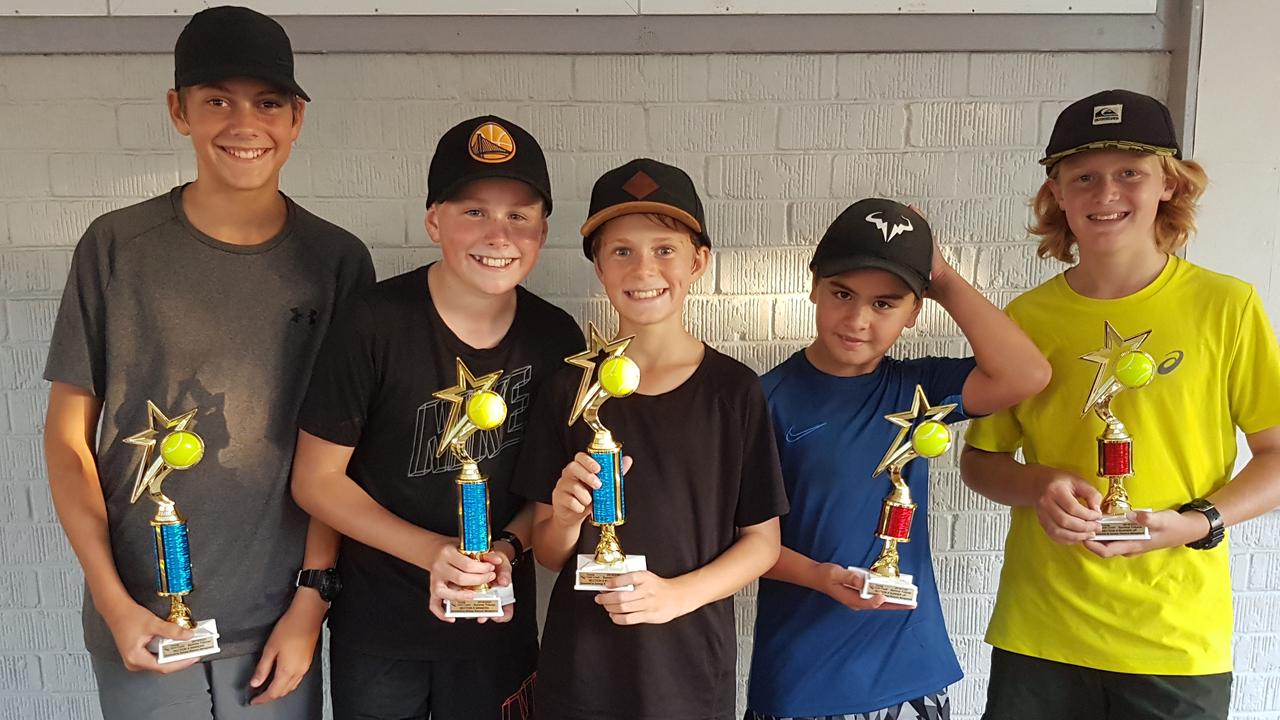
(1131, 628)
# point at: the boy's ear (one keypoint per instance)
(432, 222)
(701, 259)
(299, 112)
(176, 114)
(1051, 182)
(813, 288)
(1170, 187)
(915, 312)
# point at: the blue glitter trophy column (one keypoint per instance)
(606, 373)
(929, 438)
(180, 449)
(485, 410)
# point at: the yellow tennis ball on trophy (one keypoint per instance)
(486, 409)
(931, 439)
(181, 450)
(1135, 369)
(619, 376)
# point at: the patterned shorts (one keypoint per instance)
(934, 706)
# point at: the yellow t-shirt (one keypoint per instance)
(1166, 612)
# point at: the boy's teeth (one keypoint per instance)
(493, 262)
(1108, 216)
(646, 294)
(247, 154)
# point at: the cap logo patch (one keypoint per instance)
(640, 186)
(491, 143)
(887, 232)
(1107, 114)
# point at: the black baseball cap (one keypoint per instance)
(877, 234)
(1112, 120)
(229, 41)
(645, 186)
(486, 147)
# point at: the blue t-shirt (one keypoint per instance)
(812, 655)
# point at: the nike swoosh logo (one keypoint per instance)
(793, 436)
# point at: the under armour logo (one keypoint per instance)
(298, 316)
(885, 230)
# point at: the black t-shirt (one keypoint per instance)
(705, 463)
(372, 390)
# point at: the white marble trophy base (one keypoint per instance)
(485, 604)
(896, 590)
(1118, 527)
(204, 642)
(592, 575)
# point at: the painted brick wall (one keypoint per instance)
(778, 145)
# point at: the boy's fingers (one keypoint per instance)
(587, 463)
(169, 630)
(627, 462)
(263, 669)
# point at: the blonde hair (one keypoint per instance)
(1175, 218)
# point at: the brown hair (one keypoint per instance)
(665, 221)
(1175, 218)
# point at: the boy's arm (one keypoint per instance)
(70, 428)
(1067, 506)
(291, 647)
(839, 583)
(1010, 367)
(1252, 492)
(322, 488)
(659, 600)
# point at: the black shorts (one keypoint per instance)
(367, 687)
(1024, 687)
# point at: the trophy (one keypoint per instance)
(180, 449)
(606, 373)
(485, 410)
(1121, 365)
(930, 438)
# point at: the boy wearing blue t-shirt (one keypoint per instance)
(813, 657)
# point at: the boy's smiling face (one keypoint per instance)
(242, 129)
(860, 315)
(1110, 197)
(490, 233)
(647, 268)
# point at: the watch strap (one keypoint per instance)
(516, 545)
(1216, 529)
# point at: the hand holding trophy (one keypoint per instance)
(606, 373)
(1121, 366)
(930, 438)
(180, 449)
(485, 410)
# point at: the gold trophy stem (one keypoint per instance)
(887, 563)
(608, 550)
(1116, 501)
(179, 613)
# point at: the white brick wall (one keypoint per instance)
(778, 144)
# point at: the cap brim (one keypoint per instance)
(214, 74)
(639, 206)
(1051, 160)
(836, 266)
(489, 173)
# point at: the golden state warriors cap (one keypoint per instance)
(486, 147)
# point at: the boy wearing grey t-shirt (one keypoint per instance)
(213, 297)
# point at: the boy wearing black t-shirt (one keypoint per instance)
(366, 462)
(703, 495)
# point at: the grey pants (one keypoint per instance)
(215, 689)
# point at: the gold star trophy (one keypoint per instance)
(485, 410)
(1121, 365)
(929, 438)
(180, 449)
(606, 373)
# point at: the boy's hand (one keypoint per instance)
(1169, 528)
(1069, 508)
(940, 272)
(453, 574)
(845, 587)
(571, 499)
(496, 563)
(291, 647)
(133, 627)
(654, 600)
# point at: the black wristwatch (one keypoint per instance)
(516, 545)
(325, 582)
(1216, 531)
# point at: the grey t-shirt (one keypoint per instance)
(156, 310)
